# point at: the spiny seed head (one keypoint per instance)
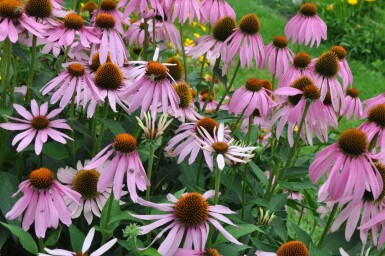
(353, 92)
(220, 147)
(353, 142)
(105, 21)
(302, 60)
(311, 92)
(176, 70)
(308, 9)
(280, 42)
(184, 92)
(125, 143)
(327, 64)
(95, 64)
(266, 84)
(108, 5)
(293, 248)
(211, 252)
(300, 84)
(156, 71)
(192, 209)
(76, 69)
(41, 178)
(90, 7)
(11, 9)
(73, 21)
(38, 8)
(224, 28)
(85, 183)
(250, 24)
(109, 77)
(209, 124)
(253, 84)
(40, 122)
(377, 115)
(340, 51)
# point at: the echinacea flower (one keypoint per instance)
(302, 92)
(350, 167)
(296, 248)
(90, 7)
(344, 71)
(190, 9)
(306, 27)
(190, 252)
(136, 32)
(353, 105)
(86, 246)
(73, 80)
(246, 42)
(125, 161)
(109, 7)
(186, 108)
(326, 68)
(211, 105)
(151, 130)
(215, 10)
(166, 33)
(186, 217)
(225, 150)
(374, 127)
(139, 6)
(72, 28)
(13, 21)
(185, 141)
(370, 103)
(85, 183)
(175, 70)
(42, 202)
(300, 67)
(255, 94)
(36, 123)
(278, 56)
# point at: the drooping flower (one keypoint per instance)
(136, 33)
(278, 56)
(86, 246)
(211, 105)
(255, 94)
(350, 168)
(85, 183)
(306, 27)
(246, 42)
(90, 7)
(186, 217)
(42, 202)
(36, 125)
(225, 150)
(187, 9)
(326, 68)
(166, 33)
(300, 67)
(215, 10)
(175, 70)
(293, 107)
(344, 71)
(13, 21)
(140, 7)
(125, 161)
(186, 108)
(353, 105)
(296, 248)
(191, 252)
(151, 130)
(110, 7)
(72, 81)
(374, 127)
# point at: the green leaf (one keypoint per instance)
(8, 186)
(334, 241)
(25, 238)
(280, 228)
(302, 235)
(258, 172)
(4, 235)
(295, 186)
(56, 151)
(278, 202)
(113, 126)
(231, 249)
(123, 216)
(188, 175)
(53, 237)
(150, 252)
(237, 232)
(77, 238)
(110, 209)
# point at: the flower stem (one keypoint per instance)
(228, 188)
(41, 245)
(72, 120)
(217, 61)
(217, 185)
(100, 137)
(244, 188)
(110, 200)
(6, 66)
(153, 33)
(204, 57)
(183, 51)
(149, 174)
(229, 86)
(62, 59)
(328, 224)
(275, 69)
(31, 69)
(199, 169)
(236, 126)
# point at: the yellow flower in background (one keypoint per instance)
(197, 35)
(188, 42)
(353, 2)
(330, 7)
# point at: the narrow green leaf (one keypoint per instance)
(77, 238)
(25, 238)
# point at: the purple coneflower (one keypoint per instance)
(36, 123)
(353, 105)
(306, 27)
(186, 108)
(190, 9)
(42, 202)
(296, 248)
(140, 6)
(344, 71)
(374, 127)
(186, 217)
(212, 104)
(278, 56)
(300, 67)
(125, 161)
(215, 10)
(136, 32)
(190, 252)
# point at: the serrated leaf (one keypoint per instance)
(77, 238)
(25, 238)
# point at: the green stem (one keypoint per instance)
(228, 188)
(183, 51)
(149, 174)
(62, 59)
(100, 137)
(229, 87)
(275, 69)
(153, 34)
(217, 61)
(6, 67)
(31, 69)
(74, 4)
(237, 123)
(328, 224)
(145, 42)
(217, 185)
(199, 169)
(41, 245)
(72, 121)
(204, 56)
(110, 200)
(14, 80)
(248, 139)
(244, 189)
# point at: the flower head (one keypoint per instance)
(353, 105)
(344, 71)
(151, 130)
(186, 105)
(278, 56)
(291, 248)
(214, 10)
(300, 67)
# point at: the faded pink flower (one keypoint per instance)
(278, 56)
